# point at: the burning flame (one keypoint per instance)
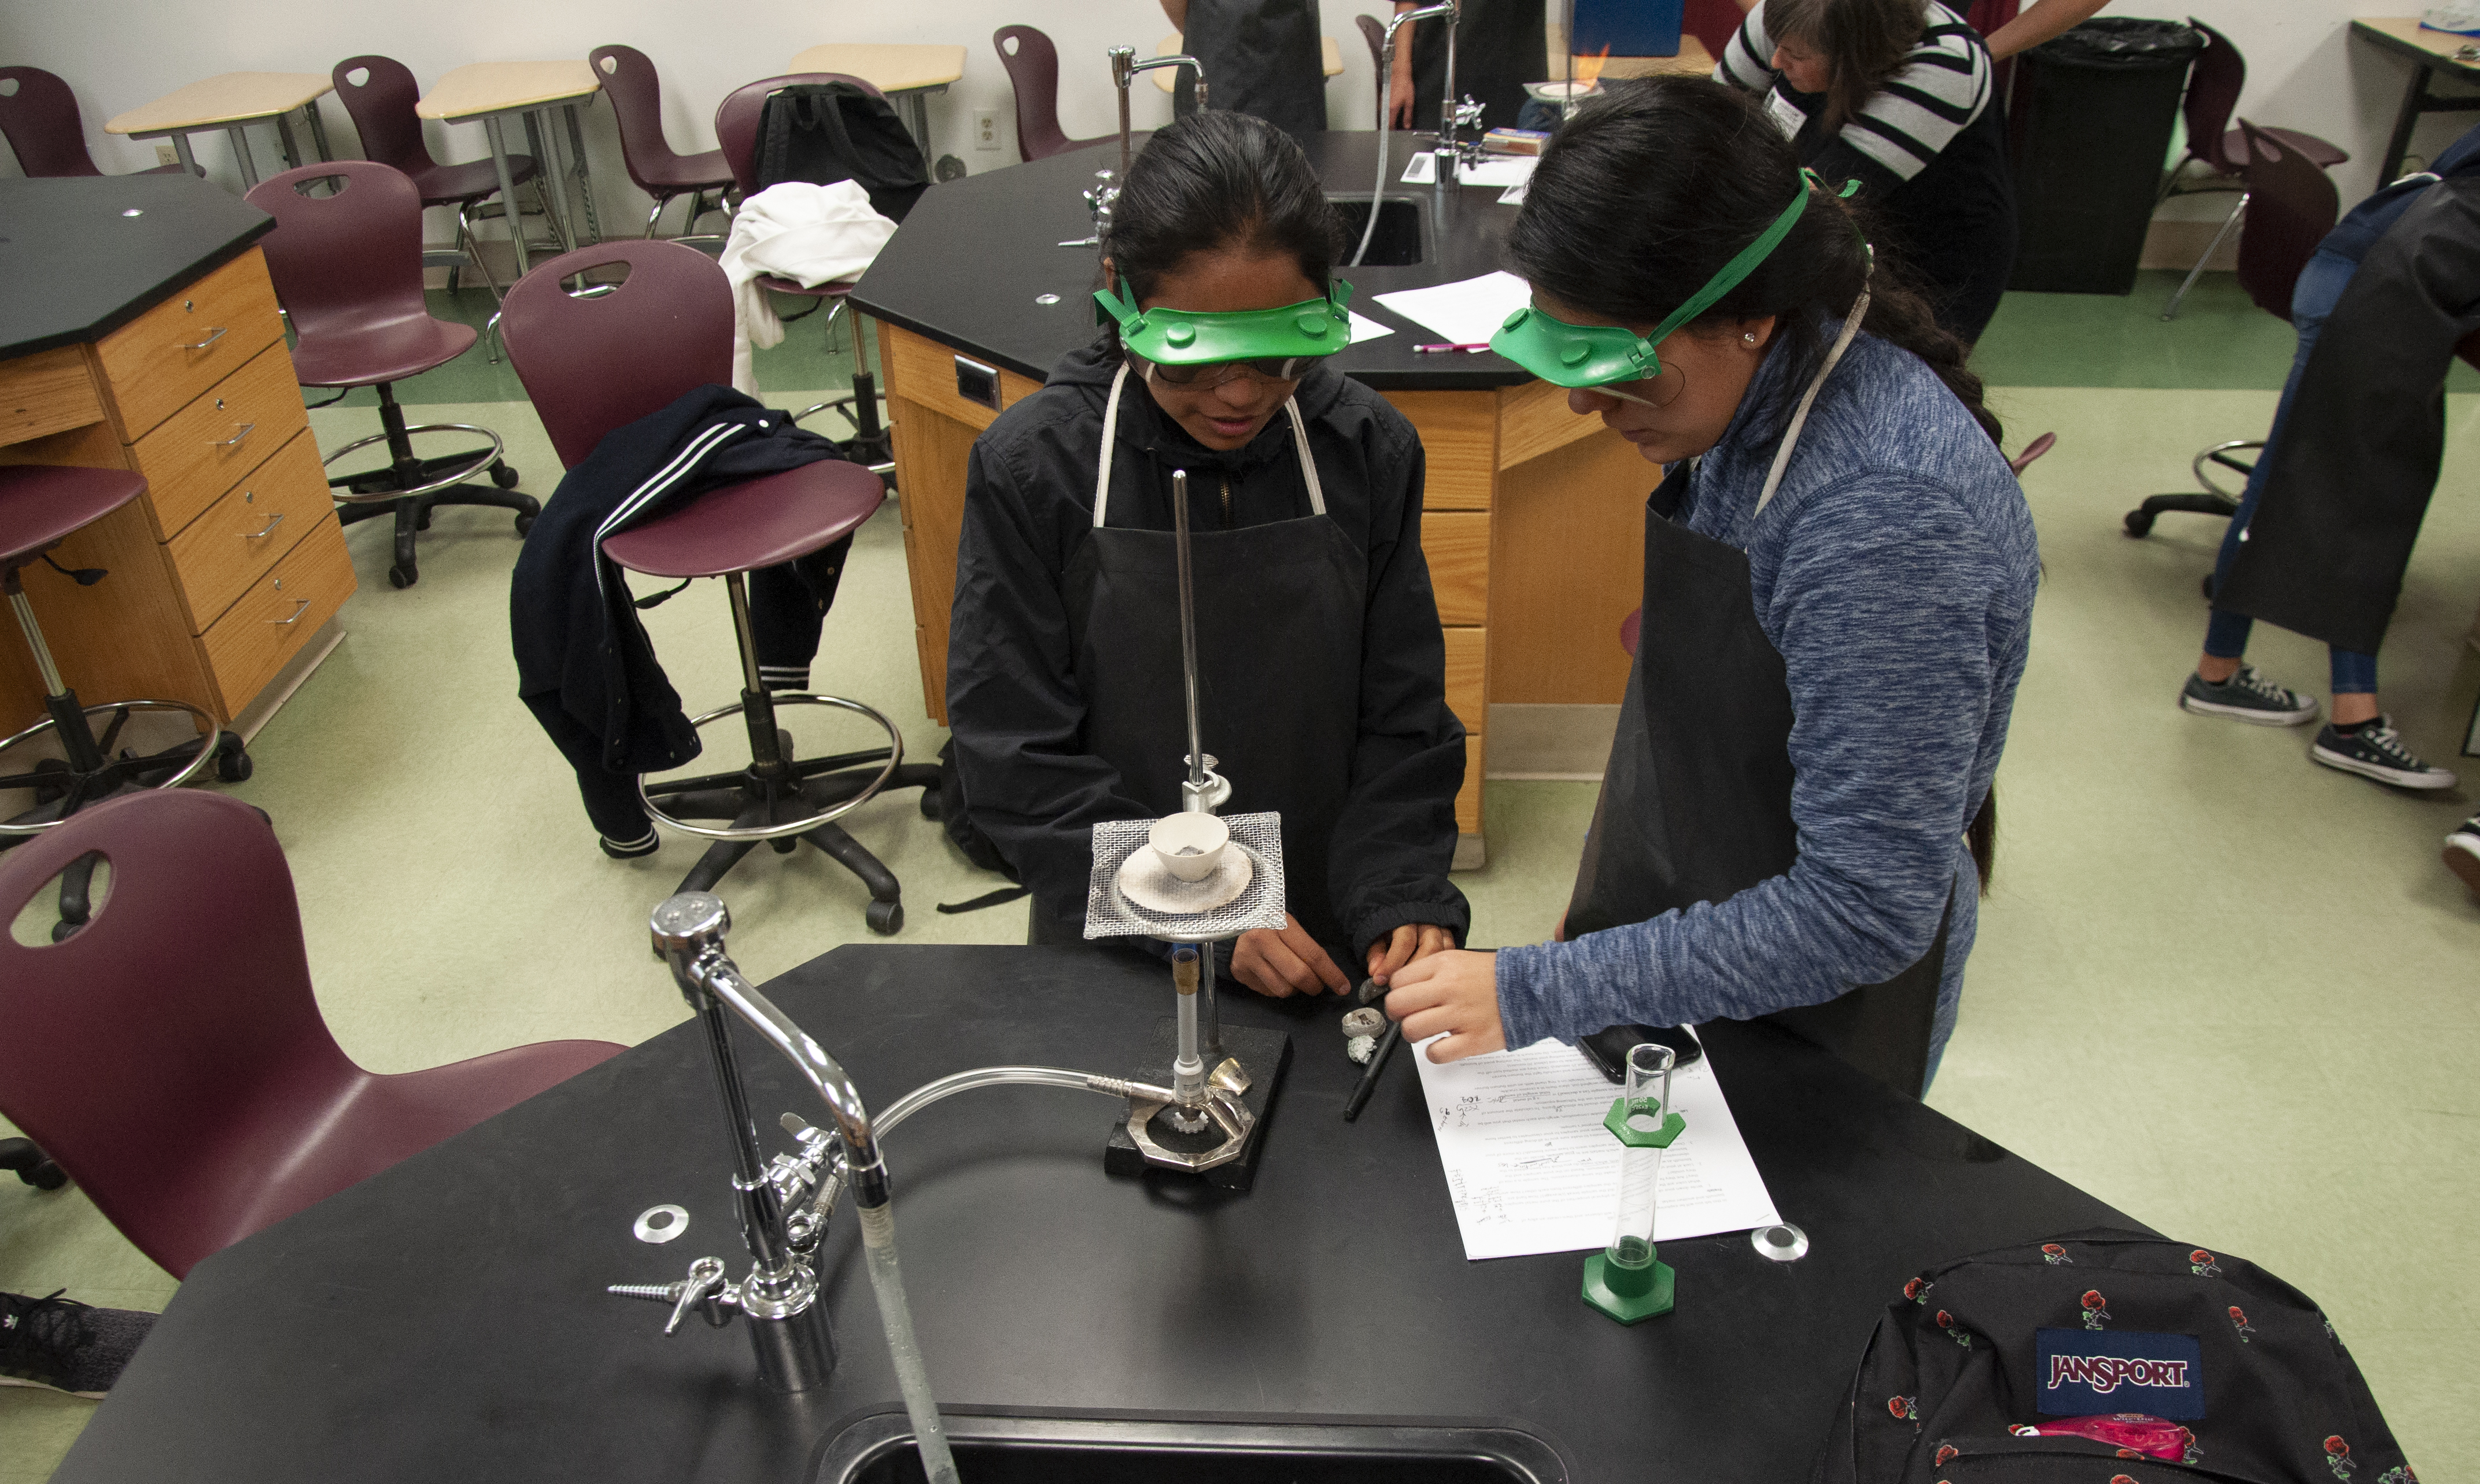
(1588, 69)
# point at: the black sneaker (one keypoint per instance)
(2247, 696)
(2463, 852)
(64, 1344)
(2376, 751)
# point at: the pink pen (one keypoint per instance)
(1475, 346)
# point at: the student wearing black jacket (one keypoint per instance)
(1324, 685)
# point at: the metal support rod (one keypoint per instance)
(736, 583)
(44, 666)
(1187, 628)
(759, 1216)
(1446, 156)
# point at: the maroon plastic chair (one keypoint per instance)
(2290, 204)
(171, 1055)
(1032, 65)
(636, 95)
(735, 129)
(2213, 87)
(581, 354)
(348, 270)
(38, 117)
(382, 106)
(43, 505)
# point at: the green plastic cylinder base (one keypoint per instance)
(1630, 1295)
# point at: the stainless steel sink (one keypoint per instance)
(1403, 229)
(1023, 1449)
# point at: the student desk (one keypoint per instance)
(907, 74)
(1534, 528)
(229, 101)
(144, 337)
(2434, 54)
(489, 92)
(446, 1319)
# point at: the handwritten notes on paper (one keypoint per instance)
(1532, 1169)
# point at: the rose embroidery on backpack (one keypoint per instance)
(1947, 1451)
(2338, 1457)
(1905, 1409)
(2201, 1262)
(2399, 1473)
(2054, 1255)
(2240, 1320)
(2096, 1307)
(1918, 1290)
(1955, 1332)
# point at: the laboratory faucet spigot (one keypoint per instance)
(1125, 68)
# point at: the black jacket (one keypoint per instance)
(1012, 695)
(584, 666)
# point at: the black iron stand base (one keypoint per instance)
(1266, 1056)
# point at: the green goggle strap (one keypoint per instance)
(1742, 265)
(1116, 302)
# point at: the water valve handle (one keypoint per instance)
(703, 1286)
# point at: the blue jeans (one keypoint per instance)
(2226, 634)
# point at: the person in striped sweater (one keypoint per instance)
(1898, 95)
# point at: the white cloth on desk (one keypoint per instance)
(808, 233)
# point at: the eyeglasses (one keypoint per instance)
(1209, 374)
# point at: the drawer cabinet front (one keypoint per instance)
(1456, 544)
(920, 369)
(208, 445)
(157, 363)
(222, 552)
(46, 393)
(278, 613)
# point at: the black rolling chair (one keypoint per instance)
(2291, 204)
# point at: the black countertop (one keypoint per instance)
(973, 255)
(446, 1319)
(80, 258)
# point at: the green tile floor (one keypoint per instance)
(2232, 993)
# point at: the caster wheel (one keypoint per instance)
(504, 476)
(423, 524)
(932, 805)
(524, 524)
(49, 792)
(2206, 583)
(46, 1176)
(233, 766)
(786, 845)
(403, 577)
(2139, 523)
(885, 917)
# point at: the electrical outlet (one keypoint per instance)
(165, 154)
(986, 129)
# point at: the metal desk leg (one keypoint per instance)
(317, 130)
(2405, 121)
(507, 194)
(917, 104)
(285, 141)
(546, 150)
(181, 152)
(240, 151)
(585, 177)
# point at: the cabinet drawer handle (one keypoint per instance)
(246, 428)
(214, 335)
(270, 528)
(299, 605)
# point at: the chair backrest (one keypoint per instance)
(1713, 22)
(2291, 204)
(382, 106)
(738, 116)
(596, 361)
(636, 95)
(40, 118)
(348, 261)
(162, 1046)
(1374, 32)
(2213, 87)
(1032, 65)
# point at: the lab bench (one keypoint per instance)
(447, 1319)
(1533, 516)
(139, 330)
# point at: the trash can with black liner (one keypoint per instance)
(2090, 123)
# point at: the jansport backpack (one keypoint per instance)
(827, 132)
(1980, 1353)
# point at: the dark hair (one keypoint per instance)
(1863, 43)
(1648, 191)
(1218, 179)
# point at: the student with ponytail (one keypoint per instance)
(1796, 821)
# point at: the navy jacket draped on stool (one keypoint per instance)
(584, 665)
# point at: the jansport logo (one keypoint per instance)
(2104, 1373)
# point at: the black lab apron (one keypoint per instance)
(1696, 802)
(1262, 58)
(1279, 617)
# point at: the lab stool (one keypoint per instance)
(40, 506)
(779, 798)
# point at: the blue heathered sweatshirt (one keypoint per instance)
(1895, 570)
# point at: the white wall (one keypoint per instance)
(2304, 71)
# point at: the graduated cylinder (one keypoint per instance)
(1625, 1280)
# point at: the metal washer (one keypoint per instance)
(675, 1221)
(1781, 1242)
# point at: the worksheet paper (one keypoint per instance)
(1532, 1168)
(1496, 170)
(1365, 328)
(1467, 312)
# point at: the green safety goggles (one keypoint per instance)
(1271, 341)
(1591, 355)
